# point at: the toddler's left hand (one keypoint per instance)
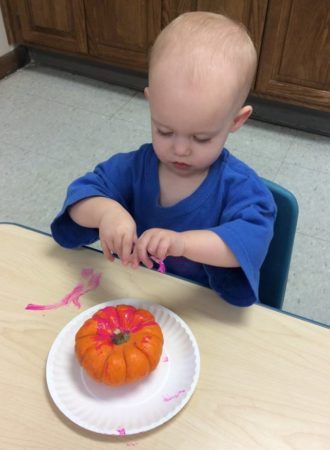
(160, 243)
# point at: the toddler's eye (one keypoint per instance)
(201, 140)
(164, 133)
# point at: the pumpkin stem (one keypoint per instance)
(119, 337)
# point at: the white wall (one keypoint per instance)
(4, 46)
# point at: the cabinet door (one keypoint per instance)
(122, 32)
(58, 24)
(295, 58)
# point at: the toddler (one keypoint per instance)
(184, 198)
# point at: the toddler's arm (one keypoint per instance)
(116, 226)
(206, 247)
(201, 246)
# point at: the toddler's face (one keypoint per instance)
(190, 124)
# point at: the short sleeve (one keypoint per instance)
(110, 179)
(247, 228)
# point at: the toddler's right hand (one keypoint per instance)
(117, 235)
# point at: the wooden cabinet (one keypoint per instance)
(112, 31)
(58, 24)
(121, 32)
(294, 64)
(292, 37)
(116, 31)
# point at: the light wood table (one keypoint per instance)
(264, 380)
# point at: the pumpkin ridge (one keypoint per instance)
(82, 356)
(161, 340)
(103, 326)
(105, 365)
(145, 354)
(125, 361)
(128, 349)
(150, 365)
(85, 353)
(126, 316)
(118, 318)
(142, 325)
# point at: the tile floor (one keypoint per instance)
(55, 126)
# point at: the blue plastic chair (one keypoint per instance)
(275, 269)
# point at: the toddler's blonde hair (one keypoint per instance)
(204, 43)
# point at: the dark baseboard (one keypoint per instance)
(278, 113)
(91, 69)
(13, 60)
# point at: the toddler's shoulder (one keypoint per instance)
(235, 166)
(237, 170)
(242, 180)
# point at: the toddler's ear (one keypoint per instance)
(241, 117)
(146, 93)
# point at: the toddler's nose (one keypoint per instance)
(181, 147)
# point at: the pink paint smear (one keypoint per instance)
(91, 281)
(172, 397)
(122, 432)
(161, 265)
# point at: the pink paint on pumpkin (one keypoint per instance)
(172, 397)
(74, 295)
(109, 320)
(143, 325)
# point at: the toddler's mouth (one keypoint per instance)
(181, 165)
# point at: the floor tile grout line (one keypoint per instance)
(318, 171)
(129, 101)
(291, 142)
(278, 172)
(312, 236)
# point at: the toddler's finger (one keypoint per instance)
(142, 254)
(162, 249)
(106, 251)
(134, 262)
(126, 249)
(157, 246)
(116, 246)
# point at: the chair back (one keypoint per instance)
(275, 269)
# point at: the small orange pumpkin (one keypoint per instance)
(119, 345)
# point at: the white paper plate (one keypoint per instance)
(132, 408)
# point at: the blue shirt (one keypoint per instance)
(232, 201)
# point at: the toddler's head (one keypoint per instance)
(200, 72)
(204, 48)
